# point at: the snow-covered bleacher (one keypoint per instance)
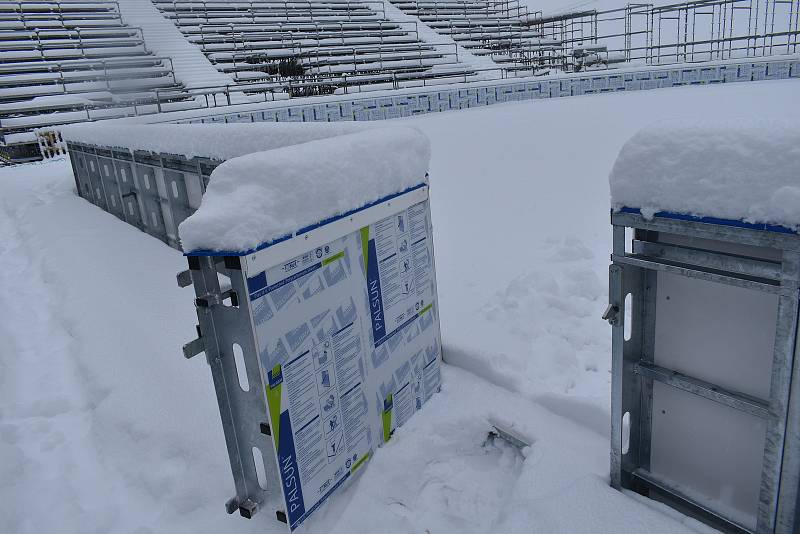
(500, 30)
(312, 46)
(64, 61)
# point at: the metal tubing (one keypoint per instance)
(739, 401)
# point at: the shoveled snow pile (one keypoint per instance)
(734, 169)
(262, 196)
(215, 141)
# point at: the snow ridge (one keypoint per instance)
(266, 195)
(732, 169)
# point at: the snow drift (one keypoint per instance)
(266, 195)
(733, 169)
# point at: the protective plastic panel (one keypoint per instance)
(349, 344)
(710, 451)
(700, 332)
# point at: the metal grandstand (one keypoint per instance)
(69, 61)
(64, 61)
(311, 47)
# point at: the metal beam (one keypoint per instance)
(742, 265)
(692, 271)
(701, 388)
(715, 519)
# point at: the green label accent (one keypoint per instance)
(365, 245)
(386, 417)
(333, 258)
(274, 406)
(425, 310)
(359, 463)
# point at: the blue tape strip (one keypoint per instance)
(304, 230)
(715, 220)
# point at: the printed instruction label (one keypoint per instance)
(342, 375)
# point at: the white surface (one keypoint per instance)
(699, 332)
(733, 169)
(718, 464)
(442, 41)
(333, 320)
(288, 249)
(105, 423)
(262, 196)
(215, 141)
(163, 39)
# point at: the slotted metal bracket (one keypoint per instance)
(193, 348)
(509, 435)
(611, 314)
(184, 278)
(223, 326)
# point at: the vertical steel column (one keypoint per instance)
(782, 362)
(221, 326)
(615, 314)
(788, 515)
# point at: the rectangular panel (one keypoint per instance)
(348, 341)
(150, 201)
(719, 333)
(710, 452)
(175, 185)
(98, 194)
(85, 189)
(128, 193)
(109, 178)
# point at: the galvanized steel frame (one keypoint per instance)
(153, 192)
(224, 320)
(634, 371)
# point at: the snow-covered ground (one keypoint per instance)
(104, 427)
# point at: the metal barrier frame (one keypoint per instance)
(224, 319)
(227, 309)
(153, 192)
(712, 257)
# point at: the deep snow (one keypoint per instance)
(104, 427)
(732, 169)
(266, 195)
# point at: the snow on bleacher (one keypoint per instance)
(66, 61)
(189, 64)
(315, 47)
(499, 33)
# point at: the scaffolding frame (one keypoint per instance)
(710, 251)
(688, 32)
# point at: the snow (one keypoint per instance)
(263, 196)
(165, 40)
(732, 169)
(106, 426)
(444, 43)
(214, 141)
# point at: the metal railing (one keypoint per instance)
(700, 30)
(255, 7)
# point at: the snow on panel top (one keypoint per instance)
(215, 141)
(739, 170)
(263, 196)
